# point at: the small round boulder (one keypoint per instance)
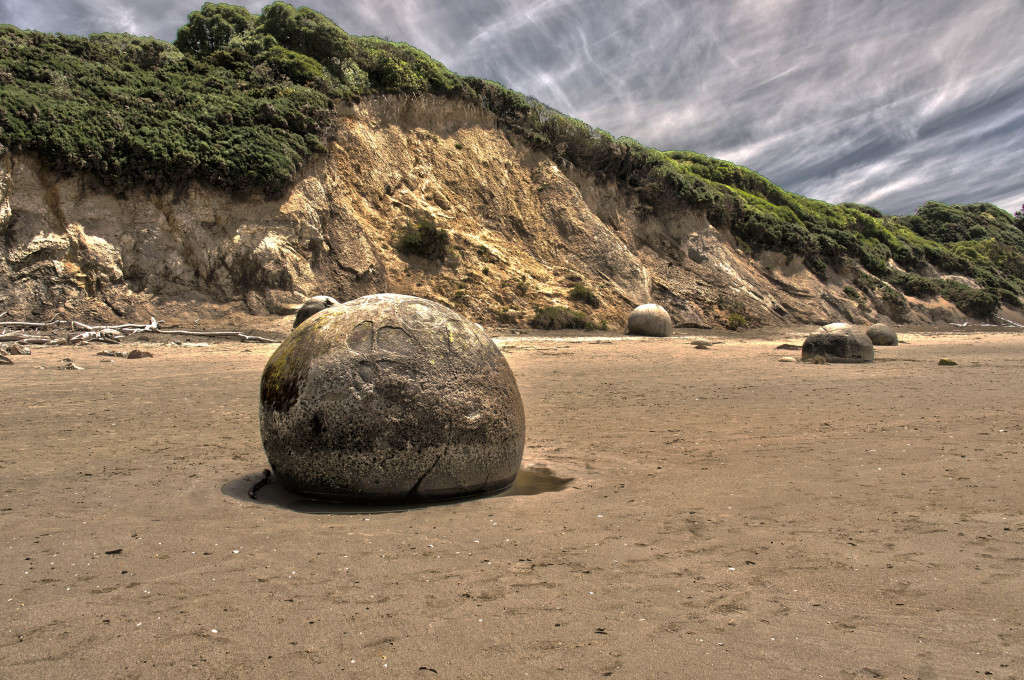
(313, 306)
(650, 320)
(842, 346)
(391, 399)
(882, 335)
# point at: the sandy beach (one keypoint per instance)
(681, 513)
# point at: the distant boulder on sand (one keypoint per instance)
(649, 320)
(845, 345)
(313, 306)
(882, 335)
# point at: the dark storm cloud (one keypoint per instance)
(879, 102)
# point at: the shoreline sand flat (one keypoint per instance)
(728, 515)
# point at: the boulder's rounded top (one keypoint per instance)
(648, 308)
(401, 329)
(409, 308)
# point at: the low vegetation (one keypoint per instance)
(241, 100)
(424, 239)
(736, 321)
(580, 293)
(555, 318)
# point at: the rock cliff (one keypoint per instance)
(523, 230)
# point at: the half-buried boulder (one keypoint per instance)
(882, 335)
(392, 399)
(845, 345)
(313, 306)
(649, 320)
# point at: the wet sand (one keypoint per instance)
(684, 513)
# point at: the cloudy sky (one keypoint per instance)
(884, 102)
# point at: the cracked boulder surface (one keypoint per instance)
(390, 399)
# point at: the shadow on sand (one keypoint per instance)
(529, 481)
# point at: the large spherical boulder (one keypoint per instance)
(882, 335)
(845, 345)
(392, 399)
(313, 306)
(649, 320)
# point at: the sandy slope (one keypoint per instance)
(728, 516)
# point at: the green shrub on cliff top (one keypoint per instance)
(136, 111)
(239, 100)
(212, 27)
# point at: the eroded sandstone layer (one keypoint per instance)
(524, 231)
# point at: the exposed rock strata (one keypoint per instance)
(524, 231)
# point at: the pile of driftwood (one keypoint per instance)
(64, 332)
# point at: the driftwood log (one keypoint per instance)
(30, 332)
(217, 334)
(28, 324)
(27, 339)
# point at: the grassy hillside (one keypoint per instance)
(980, 241)
(241, 101)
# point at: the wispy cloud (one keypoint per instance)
(888, 103)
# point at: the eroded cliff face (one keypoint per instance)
(524, 232)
